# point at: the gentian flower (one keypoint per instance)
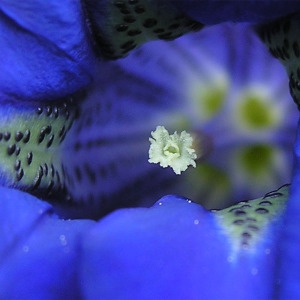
(51, 148)
(229, 105)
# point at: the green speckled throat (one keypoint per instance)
(282, 40)
(246, 222)
(126, 24)
(30, 146)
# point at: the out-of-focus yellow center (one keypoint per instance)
(255, 113)
(209, 100)
(256, 159)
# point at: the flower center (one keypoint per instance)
(172, 149)
(256, 112)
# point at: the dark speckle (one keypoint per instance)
(29, 158)
(45, 169)
(149, 23)
(253, 228)
(26, 136)
(245, 206)
(129, 19)
(55, 112)
(18, 150)
(134, 32)
(174, 26)
(18, 136)
(128, 45)
(61, 131)
(6, 136)
(121, 27)
(246, 235)
(265, 203)
(120, 4)
(49, 110)
(139, 9)
(37, 180)
(159, 30)
(52, 170)
(240, 212)
(50, 141)
(261, 210)
(50, 186)
(17, 165)
(19, 174)
(238, 222)
(45, 130)
(11, 149)
(275, 194)
(125, 11)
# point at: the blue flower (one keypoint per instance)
(90, 147)
(228, 103)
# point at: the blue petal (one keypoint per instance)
(39, 254)
(174, 250)
(227, 55)
(45, 49)
(290, 242)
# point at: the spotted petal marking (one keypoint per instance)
(121, 26)
(30, 146)
(246, 222)
(282, 37)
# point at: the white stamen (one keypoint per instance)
(173, 151)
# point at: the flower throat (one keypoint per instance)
(30, 147)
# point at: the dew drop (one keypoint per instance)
(63, 240)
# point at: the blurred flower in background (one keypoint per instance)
(222, 85)
(237, 100)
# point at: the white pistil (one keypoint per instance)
(173, 150)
